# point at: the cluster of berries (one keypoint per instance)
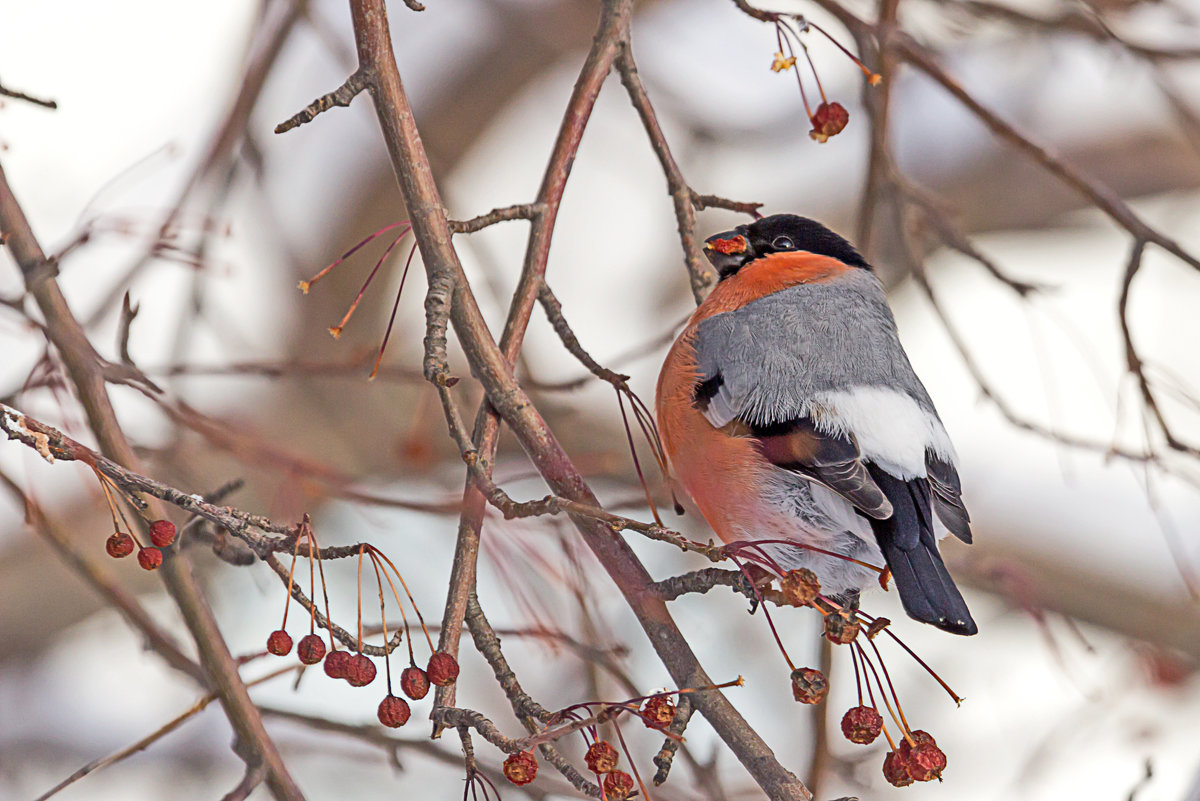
(656, 712)
(359, 670)
(121, 544)
(917, 757)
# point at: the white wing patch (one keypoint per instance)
(890, 427)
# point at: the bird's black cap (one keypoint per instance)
(730, 251)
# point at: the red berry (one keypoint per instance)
(337, 663)
(150, 558)
(618, 785)
(658, 711)
(414, 683)
(809, 685)
(841, 627)
(828, 120)
(442, 669)
(279, 643)
(119, 545)
(926, 762)
(800, 587)
(895, 770)
(601, 757)
(310, 649)
(361, 671)
(862, 724)
(162, 533)
(922, 757)
(394, 712)
(520, 768)
(915, 738)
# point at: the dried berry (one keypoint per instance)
(800, 587)
(926, 762)
(361, 671)
(733, 245)
(520, 768)
(442, 669)
(618, 785)
(394, 712)
(414, 682)
(119, 545)
(658, 711)
(162, 533)
(279, 643)
(862, 724)
(601, 757)
(923, 760)
(915, 738)
(828, 120)
(337, 664)
(895, 770)
(310, 649)
(809, 685)
(150, 558)
(841, 627)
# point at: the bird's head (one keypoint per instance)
(730, 251)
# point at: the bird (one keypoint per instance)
(788, 410)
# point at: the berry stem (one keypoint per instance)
(872, 77)
(882, 692)
(767, 614)
(336, 330)
(376, 554)
(637, 466)
(403, 584)
(957, 700)
(306, 285)
(387, 656)
(392, 319)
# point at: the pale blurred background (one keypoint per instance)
(1081, 683)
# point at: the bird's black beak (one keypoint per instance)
(728, 251)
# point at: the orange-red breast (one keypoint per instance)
(789, 410)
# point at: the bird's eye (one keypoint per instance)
(782, 243)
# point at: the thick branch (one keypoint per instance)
(490, 366)
(84, 368)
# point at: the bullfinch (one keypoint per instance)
(789, 411)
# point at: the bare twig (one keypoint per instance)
(341, 96)
(37, 101)
(521, 211)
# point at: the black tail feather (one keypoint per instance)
(910, 548)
